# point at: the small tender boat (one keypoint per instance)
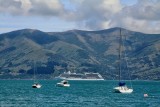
(36, 86)
(63, 83)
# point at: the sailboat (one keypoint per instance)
(36, 84)
(122, 87)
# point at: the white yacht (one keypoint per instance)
(122, 87)
(63, 83)
(36, 85)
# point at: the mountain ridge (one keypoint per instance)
(78, 51)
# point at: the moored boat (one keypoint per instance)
(122, 87)
(63, 83)
(36, 86)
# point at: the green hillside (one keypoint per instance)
(78, 51)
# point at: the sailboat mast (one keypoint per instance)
(34, 71)
(120, 48)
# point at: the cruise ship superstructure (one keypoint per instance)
(80, 76)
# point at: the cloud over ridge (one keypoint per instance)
(142, 16)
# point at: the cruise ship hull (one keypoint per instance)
(80, 79)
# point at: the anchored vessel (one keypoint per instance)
(36, 83)
(63, 83)
(122, 87)
(80, 76)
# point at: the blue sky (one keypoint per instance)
(62, 15)
(128, 2)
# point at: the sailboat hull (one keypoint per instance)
(123, 89)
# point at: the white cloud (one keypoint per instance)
(144, 16)
(32, 7)
(95, 14)
(145, 9)
(11, 7)
(25, 5)
(47, 8)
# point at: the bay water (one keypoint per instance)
(19, 93)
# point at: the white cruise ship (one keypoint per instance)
(80, 76)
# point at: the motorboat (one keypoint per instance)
(36, 86)
(63, 83)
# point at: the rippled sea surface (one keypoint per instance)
(19, 93)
